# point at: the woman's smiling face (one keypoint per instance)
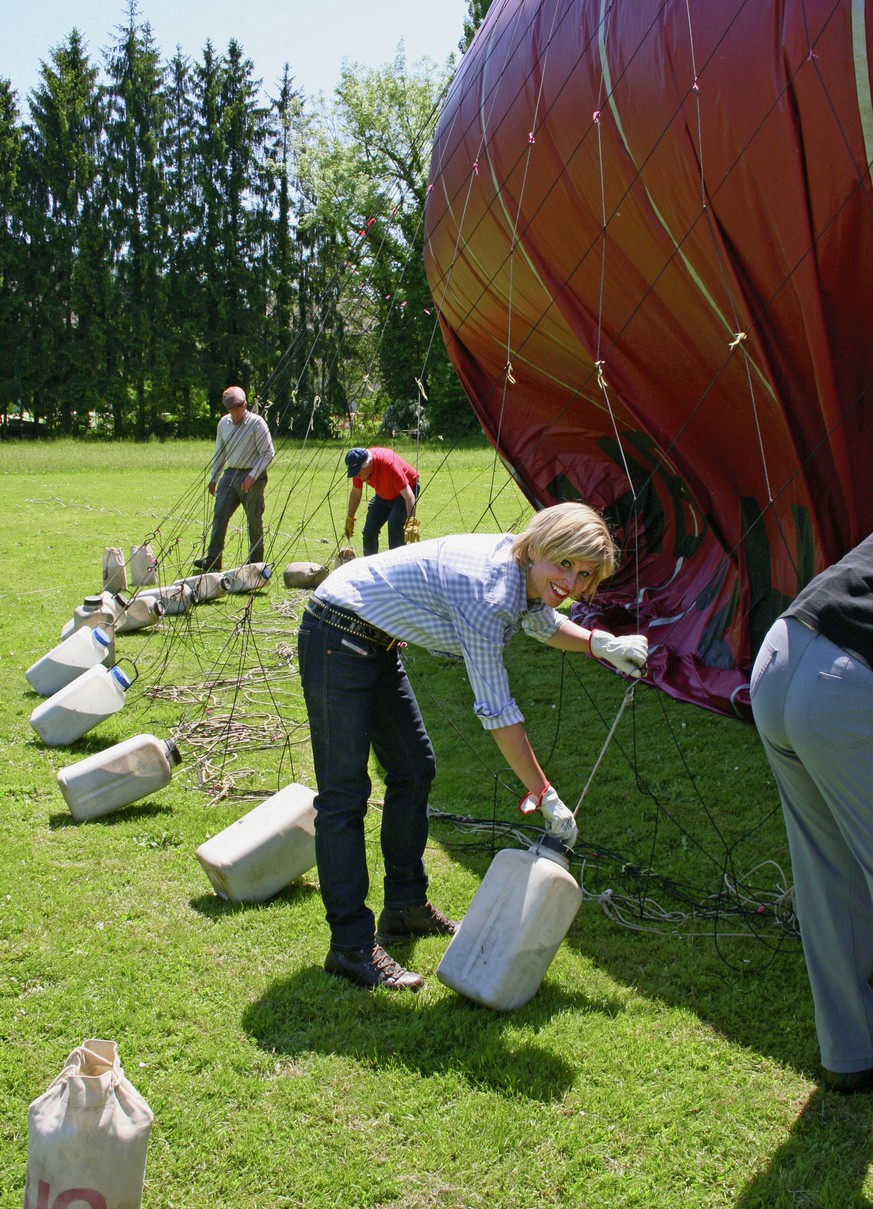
(554, 582)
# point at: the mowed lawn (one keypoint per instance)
(669, 1058)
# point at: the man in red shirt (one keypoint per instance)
(395, 489)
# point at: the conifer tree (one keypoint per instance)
(13, 306)
(178, 373)
(235, 190)
(137, 217)
(285, 362)
(62, 171)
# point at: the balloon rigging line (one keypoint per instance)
(736, 342)
(632, 761)
(756, 905)
(508, 360)
(629, 692)
(731, 882)
(695, 90)
(598, 360)
(273, 378)
(468, 193)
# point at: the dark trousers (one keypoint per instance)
(378, 512)
(358, 696)
(228, 497)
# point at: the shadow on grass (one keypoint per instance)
(757, 999)
(385, 1029)
(756, 994)
(122, 814)
(86, 745)
(753, 991)
(825, 1160)
(210, 906)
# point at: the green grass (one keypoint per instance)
(666, 1063)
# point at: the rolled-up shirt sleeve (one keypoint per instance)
(482, 650)
(493, 702)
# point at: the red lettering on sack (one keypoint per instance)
(42, 1194)
(89, 1196)
(64, 1200)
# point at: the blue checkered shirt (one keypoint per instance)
(463, 595)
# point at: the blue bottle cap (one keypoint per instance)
(101, 636)
(120, 677)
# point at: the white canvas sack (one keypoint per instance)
(114, 570)
(87, 1136)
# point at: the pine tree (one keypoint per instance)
(136, 118)
(180, 380)
(62, 167)
(235, 192)
(284, 360)
(476, 10)
(12, 297)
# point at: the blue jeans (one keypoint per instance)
(378, 512)
(358, 696)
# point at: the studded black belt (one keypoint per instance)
(350, 623)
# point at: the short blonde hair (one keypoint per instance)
(571, 530)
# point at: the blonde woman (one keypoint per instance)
(465, 595)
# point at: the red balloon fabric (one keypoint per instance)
(649, 235)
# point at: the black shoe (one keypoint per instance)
(371, 967)
(397, 923)
(203, 564)
(847, 1082)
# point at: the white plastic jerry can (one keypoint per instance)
(264, 851)
(139, 612)
(119, 775)
(143, 566)
(69, 659)
(513, 927)
(114, 569)
(250, 577)
(94, 611)
(109, 604)
(77, 708)
(205, 586)
(175, 597)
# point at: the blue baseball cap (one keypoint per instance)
(355, 459)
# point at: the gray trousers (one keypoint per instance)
(813, 706)
(228, 497)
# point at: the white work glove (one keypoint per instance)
(628, 654)
(559, 817)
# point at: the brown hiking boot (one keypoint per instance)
(371, 968)
(399, 923)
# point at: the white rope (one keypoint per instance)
(627, 697)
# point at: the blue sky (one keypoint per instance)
(314, 36)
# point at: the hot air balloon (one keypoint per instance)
(649, 237)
